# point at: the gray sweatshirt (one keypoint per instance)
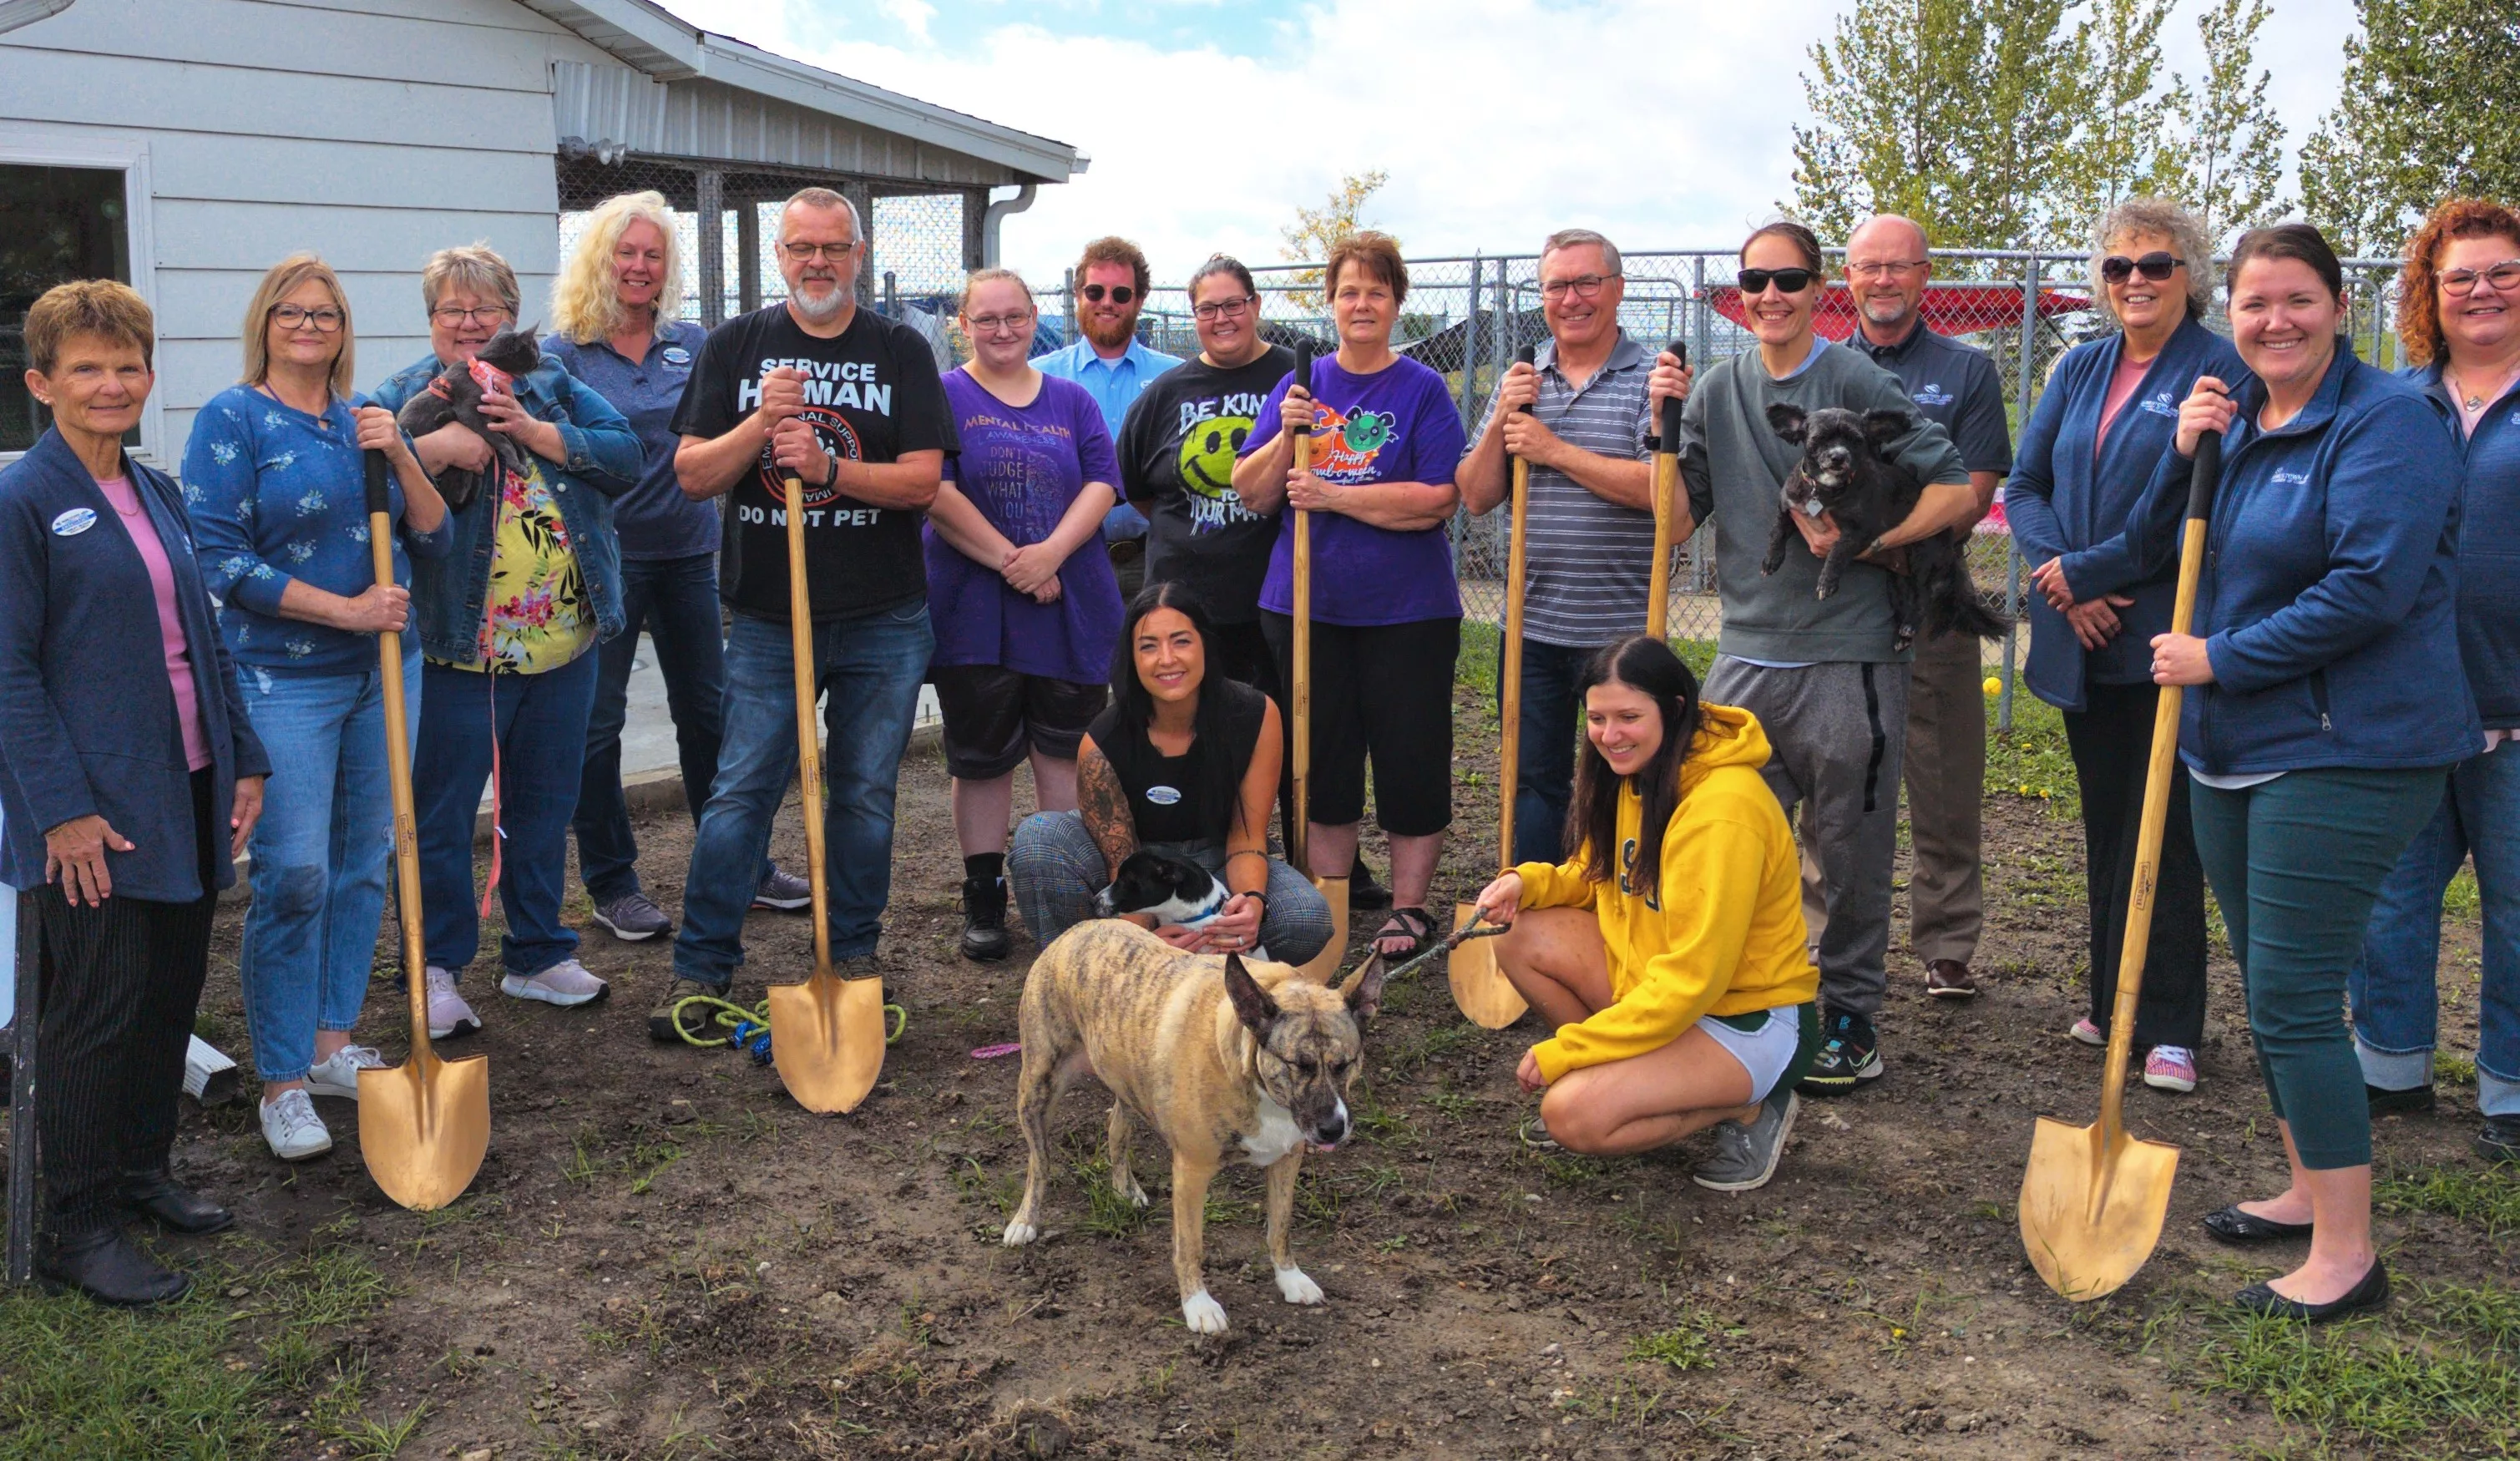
(1733, 465)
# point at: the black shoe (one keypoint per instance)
(177, 1209)
(984, 920)
(2371, 1293)
(2232, 1225)
(2499, 1141)
(1851, 1058)
(105, 1267)
(2414, 1100)
(1363, 892)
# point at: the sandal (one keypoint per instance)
(1411, 924)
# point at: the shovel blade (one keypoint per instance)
(423, 1127)
(1480, 986)
(827, 1041)
(2091, 1210)
(1324, 966)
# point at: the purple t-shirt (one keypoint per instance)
(1397, 424)
(1023, 467)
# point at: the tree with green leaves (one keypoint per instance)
(2425, 112)
(2227, 149)
(2123, 146)
(1315, 229)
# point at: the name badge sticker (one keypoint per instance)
(1164, 796)
(676, 355)
(74, 522)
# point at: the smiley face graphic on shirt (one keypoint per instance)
(1346, 446)
(1207, 451)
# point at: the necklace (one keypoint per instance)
(2474, 401)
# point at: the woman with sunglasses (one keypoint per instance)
(275, 484)
(2087, 458)
(1024, 622)
(2459, 317)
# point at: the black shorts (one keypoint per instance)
(995, 717)
(1385, 692)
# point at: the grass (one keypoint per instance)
(2031, 760)
(2483, 1197)
(1689, 1344)
(2406, 1389)
(1476, 669)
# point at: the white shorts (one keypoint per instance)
(1765, 1052)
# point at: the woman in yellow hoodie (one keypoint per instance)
(1669, 952)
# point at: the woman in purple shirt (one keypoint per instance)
(1025, 624)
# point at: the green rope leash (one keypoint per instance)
(748, 1028)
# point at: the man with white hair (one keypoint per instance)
(848, 403)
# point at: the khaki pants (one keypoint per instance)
(1945, 766)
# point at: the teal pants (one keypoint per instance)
(2296, 865)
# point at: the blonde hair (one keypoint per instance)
(109, 309)
(475, 268)
(586, 299)
(979, 277)
(278, 283)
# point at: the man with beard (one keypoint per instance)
(849, 403)
(1956, 386)
(1111, 281)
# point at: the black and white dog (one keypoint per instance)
(1175, 891)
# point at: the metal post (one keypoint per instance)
(712, 231)
(1067, 305)
(2025, 368)
(748, 258)
(891, 295)
(1470, 348)
(1502, 350)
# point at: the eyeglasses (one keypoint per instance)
(1220, 308)
(2503, 278)
(1120, 293)
(992, 324)
(2156, 266)
(806, 254)
(452, 318)
(1786, 280)
(323, 318)
(1582, 286)
(1883, 268)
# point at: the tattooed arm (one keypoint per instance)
(1104, 804)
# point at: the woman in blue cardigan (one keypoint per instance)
(2087, 456)
(130, 780)
(2327, 706)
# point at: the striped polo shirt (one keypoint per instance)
(1591, 561)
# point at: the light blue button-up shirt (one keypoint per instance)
(1113, 384)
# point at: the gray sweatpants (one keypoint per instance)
(1835, 731)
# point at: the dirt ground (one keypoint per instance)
(663, 1256)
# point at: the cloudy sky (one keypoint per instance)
(1665, 124)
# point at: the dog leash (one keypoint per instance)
(1476, 928)
(748, 1028)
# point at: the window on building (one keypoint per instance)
(56, 224)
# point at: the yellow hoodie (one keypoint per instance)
(1724, 933)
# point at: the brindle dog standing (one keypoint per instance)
(1226, 1062)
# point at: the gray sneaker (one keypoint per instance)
(566, 984)
(1745, 1157)
(632, 919)
(784, 891)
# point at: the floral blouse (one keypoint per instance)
(539, 618)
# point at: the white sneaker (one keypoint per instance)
(563, 983)
(294, 1130)
(448, 1014)
(339, 1075)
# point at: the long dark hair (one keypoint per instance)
(1644, 664)
(1207, 723)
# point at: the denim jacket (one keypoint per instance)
(450, 595)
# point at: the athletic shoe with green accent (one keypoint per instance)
(1851, 1058)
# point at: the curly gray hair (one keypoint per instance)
(2186, 236)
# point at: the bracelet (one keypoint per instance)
(1258, 893)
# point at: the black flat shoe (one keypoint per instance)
(106, 1269)
(2372, 1292)
(2232, 1225)
(177, 1208)
(2414, 1100)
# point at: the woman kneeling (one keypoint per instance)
(1676, 970)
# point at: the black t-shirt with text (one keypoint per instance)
(1177, 451)
(872, 394)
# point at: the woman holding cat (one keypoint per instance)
(506, 624)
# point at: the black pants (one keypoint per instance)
(2111, 741)
(1386, 691)
(119, 985)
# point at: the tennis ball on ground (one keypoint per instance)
(1994, 686)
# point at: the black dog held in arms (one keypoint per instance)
(1175, 890)
(456, 396)
(1844, 475)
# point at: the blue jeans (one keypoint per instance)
(2396, 1014)
(1551, 724)
(539, 723)
(320, 857)
(868, 669)
(675, 599)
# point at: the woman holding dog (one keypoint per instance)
(508, 620)
(1669, 952)
(2087, 458)
(2327, 704)
(275, 479)
(1182, 763)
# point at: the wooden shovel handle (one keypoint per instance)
(415, 961)
(809, 747)
(1509, 676)
(1300, 672)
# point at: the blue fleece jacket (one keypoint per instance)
(2488, 549)
(2073, 501)
(2331, 577)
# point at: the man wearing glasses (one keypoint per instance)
(1956, 386)
(1590, 531)
(1111, 281)
(817, 389)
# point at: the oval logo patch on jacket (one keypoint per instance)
(676, 355)
(1164, 796)
(74, 522)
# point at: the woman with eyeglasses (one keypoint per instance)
(2086, 457)
(275, 484)
(1024, 622)
(508, 622)
(2459, 317)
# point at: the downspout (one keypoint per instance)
(16, 13)
(989, 220)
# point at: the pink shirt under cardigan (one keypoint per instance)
(143, 529)
(2129, 374)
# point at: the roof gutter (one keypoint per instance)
(996, 214)
(16, 13)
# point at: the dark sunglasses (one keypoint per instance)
(1786, 280)
(1120, 293)
(2156, 266)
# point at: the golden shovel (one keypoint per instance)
(1324, 966)
(827, 1034)
(2093, 1198)
(1480, 986)
(424, 1125)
